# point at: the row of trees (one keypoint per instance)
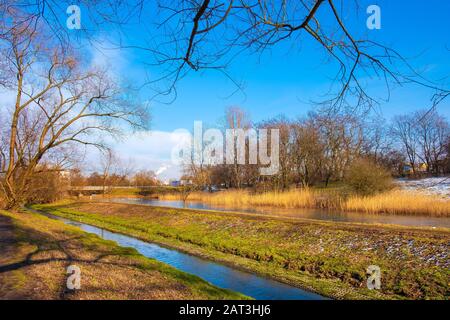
(142, 178)
(321, 147)
(111, 170)
(424, 138)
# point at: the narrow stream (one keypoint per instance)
(219, 275)
(405, 220)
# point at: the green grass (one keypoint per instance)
(18, 279)
(329, 258)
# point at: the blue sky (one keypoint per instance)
(284, 79)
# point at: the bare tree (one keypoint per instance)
(376, 139)
(195, 35)
(237, 119)
(307, 153)
(110, 164)
(446, 161)
(423, 135)
(432, 132)
(209, 34)
(76, 178)
(403, 130)
(197, 174)
(342, 138)
(144, 178)
(283, 178)
(58, 103)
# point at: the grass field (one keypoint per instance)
(35, 252)
(328, 257)
(393, 202)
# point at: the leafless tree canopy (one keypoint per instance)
(324, 147)
(181, 36)
(209, 34)
(423, 137)
(58, 102)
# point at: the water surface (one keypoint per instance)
(217, 274)
(405, 220)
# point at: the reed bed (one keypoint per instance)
(400, 202)
(304, 198)
(391, 202)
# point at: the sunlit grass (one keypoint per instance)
(393, 202)
(129, 275)
(328, 257)
(297, 198)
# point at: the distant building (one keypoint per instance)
(184, 181)
(421, 167)
(175, 183)
(407, 169)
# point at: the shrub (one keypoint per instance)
(46, 187)
(365, 177)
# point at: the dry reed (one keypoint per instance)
(392, 202)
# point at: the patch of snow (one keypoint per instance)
(439, 186)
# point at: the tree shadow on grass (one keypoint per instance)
(59, 246)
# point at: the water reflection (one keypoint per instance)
(406, 220)
(217, 274)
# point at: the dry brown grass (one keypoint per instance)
(296, 198)
(393, 202)
(400, 202)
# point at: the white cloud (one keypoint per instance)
(103, 55)
(151, 150)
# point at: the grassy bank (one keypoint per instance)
(35, 252)
(393, 202)
(327, 257)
